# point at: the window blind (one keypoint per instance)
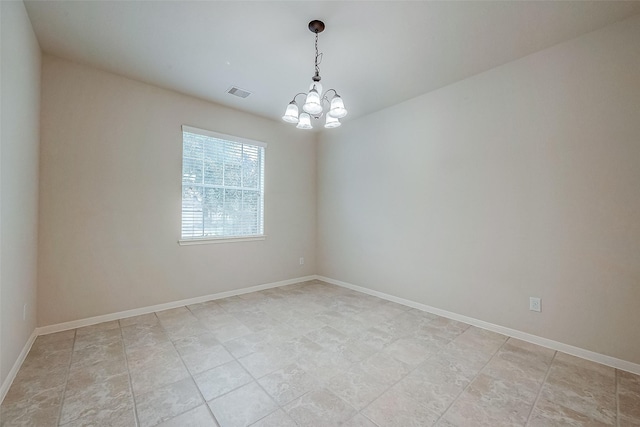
(222, 185)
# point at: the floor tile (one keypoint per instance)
(143, 337)
(434, 385)
(624, 421)
(385, 368)
(221, 380)
(242, 406)
(84, 397)
(489, 402)
(397, 409)
(583, 386)
(522, 378)
(33, 379)
(122, 416)
(183, 330)
(359, 421)
(454, 366)
(230, 331)
(166, 402)
(377, 338)
(99, 371)
(324, 364)
(97, 338)
(91, 330)
(40, 408)
(96, 353)
(52, 343)
(196, 417)
(196, 343)
(319, 408)
(356, 387)
(206, 359)
(164, 368)
(547, 413)
(250, 343)
(288, 383)
(276, 419)
(266, 361)
(629, 396)
(327, 337)
(411, 351)
(481, 339)
(149, 319)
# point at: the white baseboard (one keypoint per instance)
(59, 327)
(555, 345)
(544, 342)
(6, 384)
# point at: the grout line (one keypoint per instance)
(472, 380)
(206, 404)
(126, 361)
(188, 371)
(617, 376)
(66, 379)
(544, 381)
(236, 360)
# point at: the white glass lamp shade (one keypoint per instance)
(312, 104)
(291, 115)
(337, 109)
(304, 122)
(332, 122)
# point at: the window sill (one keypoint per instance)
(211, 240)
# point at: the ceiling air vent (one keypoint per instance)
(238, 92)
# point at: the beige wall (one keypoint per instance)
(110, 201)
(19, 141)
(521, 181)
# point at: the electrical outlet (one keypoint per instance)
(301, 260)
(535, 304)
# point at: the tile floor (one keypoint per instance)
(310, 354)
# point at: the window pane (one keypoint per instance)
(213, 172)
(193, 145)
(213, 208)
(213, 162)
(191, 171)
(250, 167)
(191, 211)
(250, 210)
(232, 175)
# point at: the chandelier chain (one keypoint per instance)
(318, 58)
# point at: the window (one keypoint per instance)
(222, 186)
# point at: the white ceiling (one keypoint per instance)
(376, 54)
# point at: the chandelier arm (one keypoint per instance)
(335, 93)
(296, 95)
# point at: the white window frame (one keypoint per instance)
(224, 239)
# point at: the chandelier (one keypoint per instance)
(316, 102)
